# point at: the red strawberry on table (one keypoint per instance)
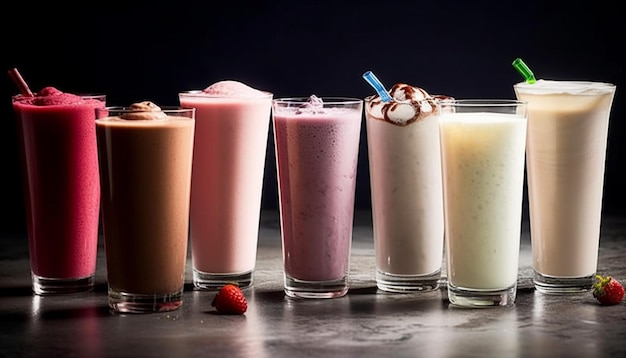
(230, 300)
(608, 291)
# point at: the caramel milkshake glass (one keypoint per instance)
(482, 151)
(145, 166)
(566, 151)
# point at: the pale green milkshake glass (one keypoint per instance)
(482, 152)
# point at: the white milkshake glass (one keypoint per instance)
(483, 153)
(566, 151)
(407, 199)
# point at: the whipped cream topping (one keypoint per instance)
(408, 104)
(145, 110)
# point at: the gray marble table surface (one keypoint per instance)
(365, 323)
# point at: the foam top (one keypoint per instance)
(565, 87)
(230, 88)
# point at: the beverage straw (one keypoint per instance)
(380, 89)
(521, 67)
(19, 81)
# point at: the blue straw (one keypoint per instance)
(380, 89)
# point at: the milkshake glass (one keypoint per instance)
(145, 157)
(566, 150)
(61, 188)
(317, 144)
(406, 185)
(482, 150)
(232, 127)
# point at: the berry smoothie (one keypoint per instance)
(316, 152)
(62, 187)
(232, 127)
(145, 162)
(406, 185)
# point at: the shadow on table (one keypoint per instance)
(16, 291)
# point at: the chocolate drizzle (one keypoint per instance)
(406, 101)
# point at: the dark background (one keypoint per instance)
(153, 50)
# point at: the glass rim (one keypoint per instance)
(92, 95)
(566, 87)
(431, 97)
(482, 102)
(202, 94)
(325, 100)
(555, 84)
(124, 109)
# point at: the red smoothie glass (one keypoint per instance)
(61, 188)
(145, 164)
(317, 145)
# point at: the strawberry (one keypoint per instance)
(230, 300)
(608, 291)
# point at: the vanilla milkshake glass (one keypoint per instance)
(317, 145)
(232, 128)
(566, 151)
(482, 150)
(406, 186)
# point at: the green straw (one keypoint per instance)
(521, 67)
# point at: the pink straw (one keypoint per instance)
(19, 81)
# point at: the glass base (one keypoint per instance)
(215, 281)
(295, 288)
(552, 285)
(463, 297)
(407, 283)
(54, 286)
(124, 302)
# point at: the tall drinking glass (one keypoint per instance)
(61, 188)
(317, 144)
(232, 128)
(145, 165)
(407, 197)
(482, 147)
(567, 139)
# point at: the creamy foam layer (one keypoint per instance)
(565, 87)
(51, 96)
(409, 104)
(232, 89)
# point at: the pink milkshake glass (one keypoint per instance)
(232, 128)
(61, 188)
(317, 144)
